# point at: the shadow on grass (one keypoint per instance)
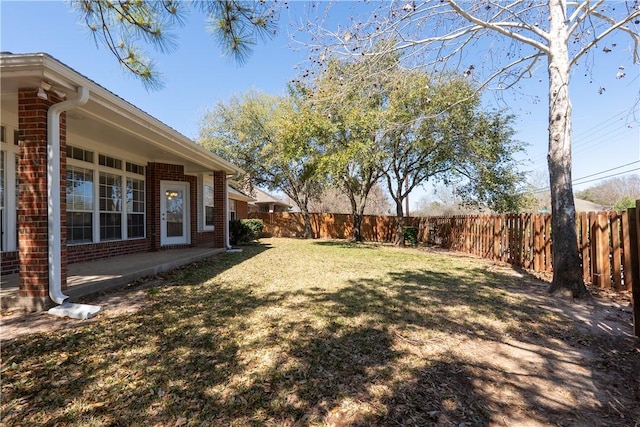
(427, 300)
(372, 352)
(346, 244)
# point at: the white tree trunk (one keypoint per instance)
(567, 274)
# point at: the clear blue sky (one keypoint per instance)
(197, 76)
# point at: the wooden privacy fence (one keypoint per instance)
(607, 241)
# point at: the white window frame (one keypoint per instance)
(233, 209)
(124, 175)
(94, 219)
(206, 179)
(9, 224)
(125, 213)
(118, 210)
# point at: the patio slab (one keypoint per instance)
(109, 273)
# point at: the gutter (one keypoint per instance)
(65, 308)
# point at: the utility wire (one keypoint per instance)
(608, 170)
(609, 176)
(589, 134)
(574, 181)
(586, 143)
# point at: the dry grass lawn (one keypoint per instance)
(311, 333)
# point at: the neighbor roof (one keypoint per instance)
(263, 197)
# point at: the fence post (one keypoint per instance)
(635, 283)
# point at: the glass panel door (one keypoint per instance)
(174, 219)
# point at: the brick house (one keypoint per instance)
(118, 180)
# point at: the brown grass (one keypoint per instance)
(310, 333)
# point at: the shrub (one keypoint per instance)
(410, 235)
(244, 230)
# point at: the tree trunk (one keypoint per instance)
(567, 273)
(303, 204)
(399, 238)
(308, 232)
(357, 227)
(357, 210)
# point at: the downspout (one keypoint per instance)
(53, 195)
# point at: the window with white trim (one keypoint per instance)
(135, 208)
(232, 209)
(208, 205)
(112, 207)
(79, 205)
(8, 189)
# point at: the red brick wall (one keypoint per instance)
(31, 260)
(198, 238)
(242, 210)
(10, 263)
(157, 172)
(93, 251)
(32, 195)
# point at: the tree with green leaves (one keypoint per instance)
(273, 139)
(126, 26)
(350, 104)
(502, 44)
(436, 130)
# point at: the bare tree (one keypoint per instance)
(611, 191)
(517, 36)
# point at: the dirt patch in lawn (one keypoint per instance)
(17, 323)
(329, 334)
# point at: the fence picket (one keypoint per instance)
(616, 271)
(548, 266)
(628, 252)
(583, 236)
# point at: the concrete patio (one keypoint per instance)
(110, 273)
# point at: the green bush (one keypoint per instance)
(410, 235)
(244, 230)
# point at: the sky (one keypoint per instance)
(606, 130)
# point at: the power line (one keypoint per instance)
(610, 119)
(587, 143)
(604, 171)
(574, 181)
(608, 176)
(590, 134)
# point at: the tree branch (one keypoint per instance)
(614, 26)
(502, 28)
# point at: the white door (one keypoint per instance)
(174, 213)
